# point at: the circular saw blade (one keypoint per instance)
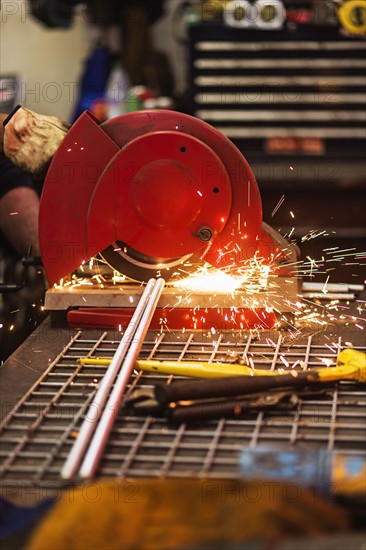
(139, 267)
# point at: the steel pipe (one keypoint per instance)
(96, 407)
(106, 422)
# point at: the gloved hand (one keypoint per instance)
(31, 139)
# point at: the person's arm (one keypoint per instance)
(19, 207)
(2, 118)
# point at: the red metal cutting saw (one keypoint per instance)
(149, 190)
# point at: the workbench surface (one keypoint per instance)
(37, 438)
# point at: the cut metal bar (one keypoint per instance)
(104, 427)
(94, 412)
(329, 295)
(331, 287)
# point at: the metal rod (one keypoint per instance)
(331, 287)
(104, 427)
(95, 409)
(329, 295)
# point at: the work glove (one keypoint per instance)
(31, 139)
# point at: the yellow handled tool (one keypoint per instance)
(192, 369)
(351, 366)
(352, 16)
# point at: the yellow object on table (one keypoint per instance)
(352, 16)
(193, 369)
(172, 514)
(351, 365)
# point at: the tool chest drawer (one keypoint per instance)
(284, 95)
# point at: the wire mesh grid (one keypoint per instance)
(39, 432)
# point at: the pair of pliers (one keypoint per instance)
(145, 401)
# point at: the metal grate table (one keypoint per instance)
(38, 433)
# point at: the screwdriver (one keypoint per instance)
(192, 369)
(351, 365)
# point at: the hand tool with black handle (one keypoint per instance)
(351, 366)
(228, 386)
(230, 408)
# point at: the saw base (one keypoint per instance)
(178, 308)
(281, 295)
